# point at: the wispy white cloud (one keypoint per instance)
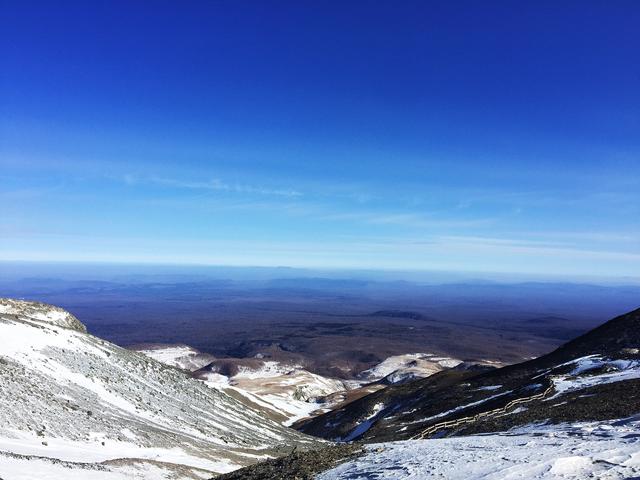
(588, 236)
(413, 220)
(214, 184)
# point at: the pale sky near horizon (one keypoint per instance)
(467, 136)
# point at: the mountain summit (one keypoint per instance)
(37, 312)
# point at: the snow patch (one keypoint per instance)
(179, 356)
(572, 451)
(400, 368)
(580, 378)
(489, 388)
(365, 425)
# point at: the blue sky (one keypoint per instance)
(471, 136)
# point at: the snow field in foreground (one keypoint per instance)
(602, 450)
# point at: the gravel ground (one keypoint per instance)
(298, 465)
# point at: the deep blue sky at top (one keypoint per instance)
(479, 136)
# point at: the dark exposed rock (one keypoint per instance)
(297, 465)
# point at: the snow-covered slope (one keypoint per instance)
(593, 370)
(67, 395)
(40, 312)
(286, 392)
(30, 467)
(401, 368)
(603, 450)
(179, 356)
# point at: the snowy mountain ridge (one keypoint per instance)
(283, 392)
(289, 392)
(40, 312)
(69, 396)
(179, 356)
(399, 368)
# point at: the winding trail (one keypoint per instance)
(474, 418)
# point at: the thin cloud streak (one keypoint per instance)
(413, 220)
(214, 184)
(219, 185)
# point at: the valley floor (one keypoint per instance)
(602, 450)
